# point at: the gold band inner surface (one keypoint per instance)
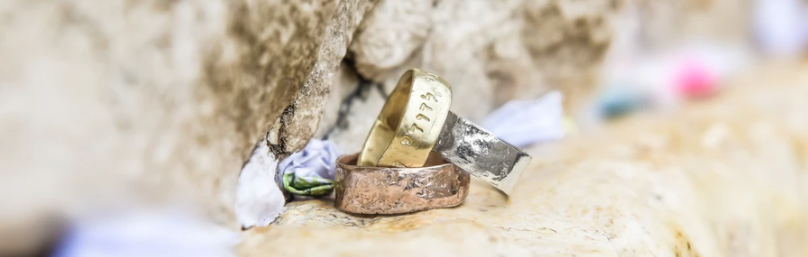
(410, 122)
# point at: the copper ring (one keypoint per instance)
(394, 190)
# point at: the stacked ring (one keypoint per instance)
(394, 190)
(410, 122)
(415, 121)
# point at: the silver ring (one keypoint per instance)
(481, 153)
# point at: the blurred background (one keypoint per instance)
(111, 110)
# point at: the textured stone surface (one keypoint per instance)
(302, 118)
(389, 35)
(162, 99)
(661, 23)
(722, 178)
(490, 51)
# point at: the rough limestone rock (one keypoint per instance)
(106, 101)
(666, 23)
(490, 51)
(722, 178)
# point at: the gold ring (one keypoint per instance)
(383, 190)
(410, 122)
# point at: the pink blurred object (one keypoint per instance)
(694, 80)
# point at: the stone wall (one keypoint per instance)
(112, 102)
